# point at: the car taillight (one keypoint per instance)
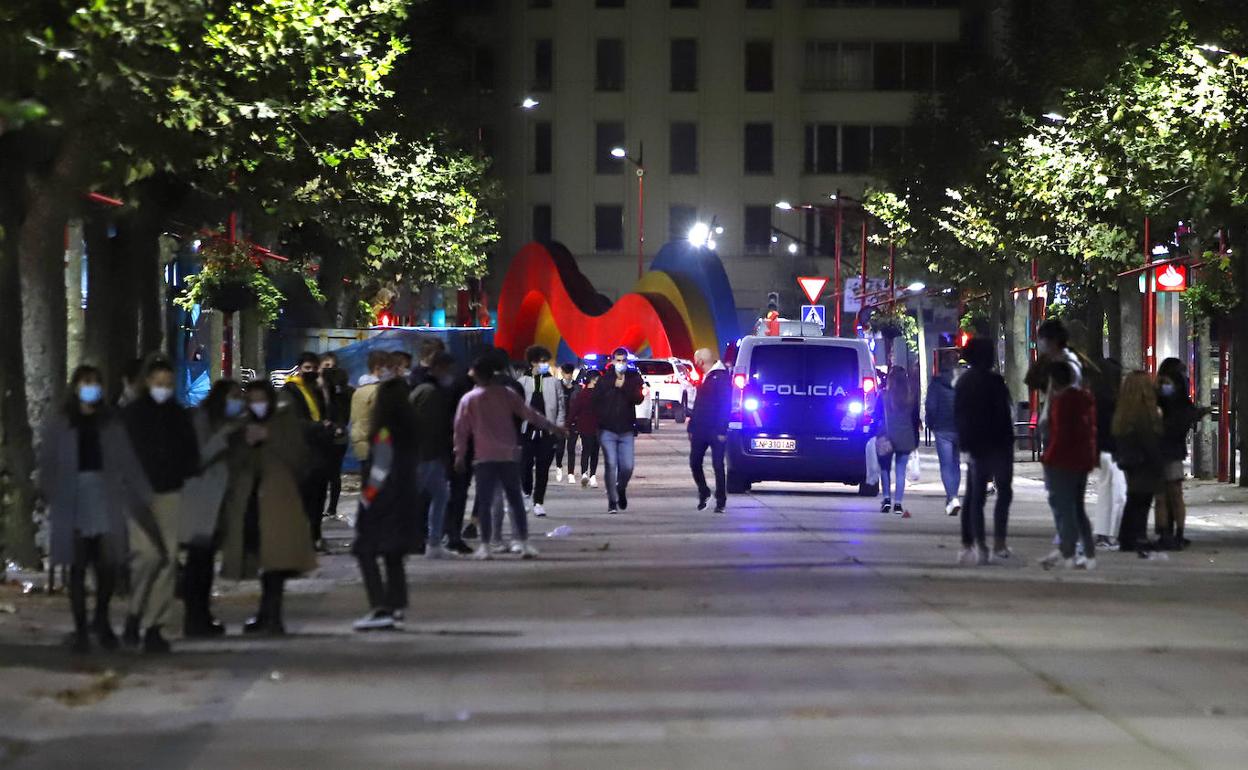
(739, 380)
(868, 385)
(694, 377)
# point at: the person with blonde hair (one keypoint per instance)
(1137, 438)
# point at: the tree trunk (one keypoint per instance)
(17, 457)
(1240, 353)
(1096, 327)
(1111, 302)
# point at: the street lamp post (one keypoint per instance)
(639, 162)
(819, 209)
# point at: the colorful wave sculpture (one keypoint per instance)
(683, 303)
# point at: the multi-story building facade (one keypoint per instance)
(730, 105)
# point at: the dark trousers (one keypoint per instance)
(589, 453)
(1066, 491)
(537, 454)
(697, 455)
(336, 456)
(90, 552)
(272, 594)
(457, 506)
(997, 467)
(491, 476)
(561, 445)
(390, 594)
(1133, 531)
(315, 490)
(197, 584)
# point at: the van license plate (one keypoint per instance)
(774, 444)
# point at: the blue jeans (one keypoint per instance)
(1066, 489)
(886, 474)
(617, 448)
(950, 464)
(431, 480)
(490, 476)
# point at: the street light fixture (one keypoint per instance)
(699, 234)
(620, 153)
(784, 206)
(916, 286)
(1055, 117)
(528, 103)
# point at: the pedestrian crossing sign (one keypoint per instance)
(814, 314)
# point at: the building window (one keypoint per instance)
(886, 145)
(609, 3)
(758, 65)
(683, 155)
(542, 147)
(757, 229)
(609, 60)
(946, 65)
(543, 64)
(542, 222)
(855, 149)
(684, 3)
(680, 220)
(483, 70)
(822, 149)
(919, 66)
(684, 64)
(607, 136)
(539, 3)
(835, 66)
(757, 5)
(889, 72)
(758, 148)
(608, 228)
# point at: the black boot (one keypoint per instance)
(154, 643)
(103, 629)
(130, 635)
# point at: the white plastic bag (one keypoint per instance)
(913, 471)
(873, 464)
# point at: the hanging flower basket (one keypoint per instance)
(229, 296)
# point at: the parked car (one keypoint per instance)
(674, 383)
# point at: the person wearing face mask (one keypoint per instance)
(264, 529)
(1178, 416)
(615, 403)
(543, 393)
(434, 407)
(708, 429)
(218, 422)
(87, 473)
(1052, 340)
(164, 440)
(1069, 457)
(302, 393)
(337, 390)
(583, 425)
(567, 387)
(430, 347)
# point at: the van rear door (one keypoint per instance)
(798, 392)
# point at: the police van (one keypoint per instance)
(802, 410)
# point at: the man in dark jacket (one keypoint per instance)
(938, 412)
(615, 403)
(985, 428)
(303, 394)
(434, 405)
(165, 444)
(708, 428)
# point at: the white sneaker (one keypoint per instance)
(482, 553)
(968, 557)
(377, 620)
(1085, 563)
(528, 503)
(517, 547)
(584, 479)
(539, 510)
(526, 551)
(953, 508)
(572, 478)
(984, 557)
(558, 474)
(439, 551)
(1052, 560)
(593, 481)
(498, 548)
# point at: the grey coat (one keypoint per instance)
(900, 424)
(203, 495)
(556, 406)
(129, 492)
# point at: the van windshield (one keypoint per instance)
(802, 388)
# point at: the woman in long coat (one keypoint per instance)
(265, 529)
(90, 478)
(217, 424)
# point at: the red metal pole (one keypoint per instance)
(892, 273)
(1150, 304)
(836, 272)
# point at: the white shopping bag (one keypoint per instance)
(912, 468)
(873, 463)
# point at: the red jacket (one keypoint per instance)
(1072, 431)
(582, 419)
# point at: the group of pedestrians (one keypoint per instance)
(1130, 431)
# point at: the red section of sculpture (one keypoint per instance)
(586, 321)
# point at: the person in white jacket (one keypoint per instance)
(543, 393)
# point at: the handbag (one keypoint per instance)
(883, 444)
